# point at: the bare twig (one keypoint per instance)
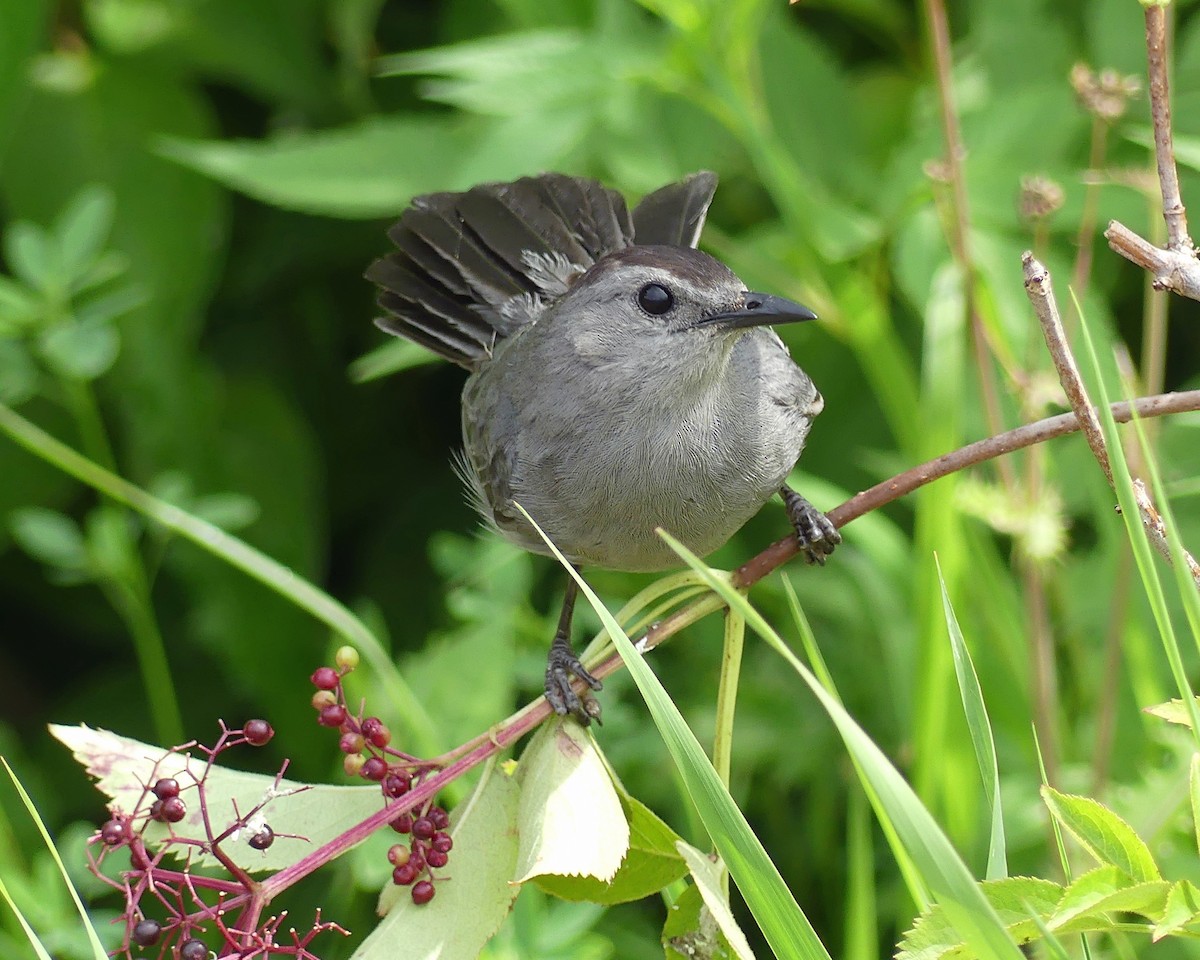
(1174, 267)
(1041, 295)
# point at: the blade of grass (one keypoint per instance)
(780, 918)
(98, 951)
(237, 553)
(981, 733)
(941, 867)
(30, 933)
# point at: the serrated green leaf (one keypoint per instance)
(1105, 889)
(82, 228)
(1173, 711)
(49, 536)
(649, 865)
(1016, 900)
(1182, 908)
(477, 893)
(315, 813)
(1103, 834)
(707, 874)
(570, 817)
(80, 350)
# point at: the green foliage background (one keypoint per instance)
(254, 156)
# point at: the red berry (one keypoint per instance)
(258, 732)
(377, 734)
(404, 874)
(403, 823)
(325, 678)
(398, 854)
(416, 858)
(146, 933)
(193, 950)
(374, 769)
(437, 858)
(352, 743)
(442, 842)
(156, 811)
(423, 828)
(422, 892)
(173, 809)
(166, 787)
(263, 838)
(333, 715)
(440, 818)
(396, 784)
(114, 833)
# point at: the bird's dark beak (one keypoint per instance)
(758, 310)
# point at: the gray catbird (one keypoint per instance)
(621, 380)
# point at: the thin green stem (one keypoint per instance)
(731, 668)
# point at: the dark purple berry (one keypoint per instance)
(403, 823)
(416, 858)
(442, 842)
(333, 715)
(396, 784)
(422, 892)
(437, 858)
(423, 828)
(193, 950)
(352, 743)
(166, 787)
(173, 809)
(114, 833)
(156, 811)
(404, 874)
(258, 732)
(325, 678)
(146, 933)
(374, 769)
(440, 818)
(263, 838)
(377, 734)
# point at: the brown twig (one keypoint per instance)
(1174, 267)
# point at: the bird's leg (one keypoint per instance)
(816, 533)
(562, 662)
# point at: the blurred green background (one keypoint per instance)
(191, 190)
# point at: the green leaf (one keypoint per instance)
(49, 536)
(117, 303)
(316, 813)
(82, 350)
(19, 307)
(650, 864)
(82, 228)
(707, 875)
(1016, 900)
(1103, 834)
(1173, 711)
(18, 373)
(691, 932)
(32, 257)
(570, 817)
(1091, 896)
(1194, 793)
(1183, 907)
(390, 357)
(471, 904)
(981, 735)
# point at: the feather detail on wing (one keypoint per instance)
(674, 215)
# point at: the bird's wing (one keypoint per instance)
(674, 214)
(470, 268)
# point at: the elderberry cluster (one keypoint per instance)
(365, 741)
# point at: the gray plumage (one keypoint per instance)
(621, 380)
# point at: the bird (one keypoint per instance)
(620, 379)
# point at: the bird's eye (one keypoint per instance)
(655, 298)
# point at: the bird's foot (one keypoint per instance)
(815, 531)
(561, 664)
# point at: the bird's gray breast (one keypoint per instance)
(601, 454)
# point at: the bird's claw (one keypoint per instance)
(815, 532)
(561, 664)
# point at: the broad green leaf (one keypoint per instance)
(1102, 890)
(80, 350)
(1016, 900)
(570, 817)
(1103, 834)
(82, 228)
(315, 814)
(51, 537)
(476, 893)
(707, 875)
(981, 735)
(1183, 907)
(32, 257)
(650, 864)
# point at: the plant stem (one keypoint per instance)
(731, 668)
